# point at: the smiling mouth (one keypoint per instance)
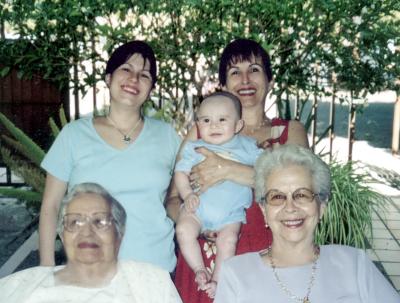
(246, 92)
(293, 223)
(130, 89)
(84, 245)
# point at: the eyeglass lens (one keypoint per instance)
(74, 222)
(299, 196)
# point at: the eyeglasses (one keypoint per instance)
(301, 196)
(100, 221)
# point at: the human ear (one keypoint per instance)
(270, 84)
(264, 212)
(239, 126)
(107, 79)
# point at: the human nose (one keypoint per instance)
(290, 203)
(134, 76)
(87, 228)
(214, 124)
(245, 78)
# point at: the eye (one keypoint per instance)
(100, 222)
(255, 69)
(205, 120)
(223, 119)
(234, 72)
(145, 75)
(278, 196)
(303, 195)
(125, 69)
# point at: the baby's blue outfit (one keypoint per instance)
(137, 176)
(223, 203)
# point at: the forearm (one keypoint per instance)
(183, 186)
(173, 202)
(240, 173)
(53, 194)
(47, 236)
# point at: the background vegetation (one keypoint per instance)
(349, 44)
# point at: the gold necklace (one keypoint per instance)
(253, 129)
(306, 299)
(126, 137)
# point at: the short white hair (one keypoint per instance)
(117, 210)
(286, 155)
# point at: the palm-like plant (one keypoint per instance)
(23, 156)
(348, 217)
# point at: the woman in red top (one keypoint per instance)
(245, 71)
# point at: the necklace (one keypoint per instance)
(284, 287)
(126, 137)
(252, 129)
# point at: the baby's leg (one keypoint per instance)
(188, 229)
(226, 241)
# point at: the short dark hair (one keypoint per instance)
(243, 50)
(125, 51)
(235, 100)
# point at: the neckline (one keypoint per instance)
(269, 267)
(128, 146)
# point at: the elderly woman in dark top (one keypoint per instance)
(91, 226)
(293, 186)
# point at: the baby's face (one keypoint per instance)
(218, 120)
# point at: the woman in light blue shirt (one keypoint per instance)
(132, 156)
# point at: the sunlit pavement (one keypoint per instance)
(385, 242)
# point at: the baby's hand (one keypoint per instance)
(192, 201)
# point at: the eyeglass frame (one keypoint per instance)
(313, 194)
(89, 219)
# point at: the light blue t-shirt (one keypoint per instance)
(225, 202)
(138, 177)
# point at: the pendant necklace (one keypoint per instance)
(126, 137)
(306, 299)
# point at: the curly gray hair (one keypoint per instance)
(117, 210)
(286, 155)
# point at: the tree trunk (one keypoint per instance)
(396, 126)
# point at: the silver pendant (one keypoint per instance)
(126, 139)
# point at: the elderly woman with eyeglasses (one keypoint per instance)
(293, 186)
(91, 227)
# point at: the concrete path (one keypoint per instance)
(385, 242)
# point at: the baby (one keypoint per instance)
(222, 207)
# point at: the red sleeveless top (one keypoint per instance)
(254, 236)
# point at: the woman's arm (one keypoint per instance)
(297, 134)
(53, 194)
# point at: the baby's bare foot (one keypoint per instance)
(202, 277)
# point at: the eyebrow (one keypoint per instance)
(252, 64)
(127, 63)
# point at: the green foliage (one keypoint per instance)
(23, 156)
(348, 215)
(351, 43)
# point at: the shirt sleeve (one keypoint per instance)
(58, 160)
(253, 150)
(187, 158)
(374, 287)
(226, 290)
